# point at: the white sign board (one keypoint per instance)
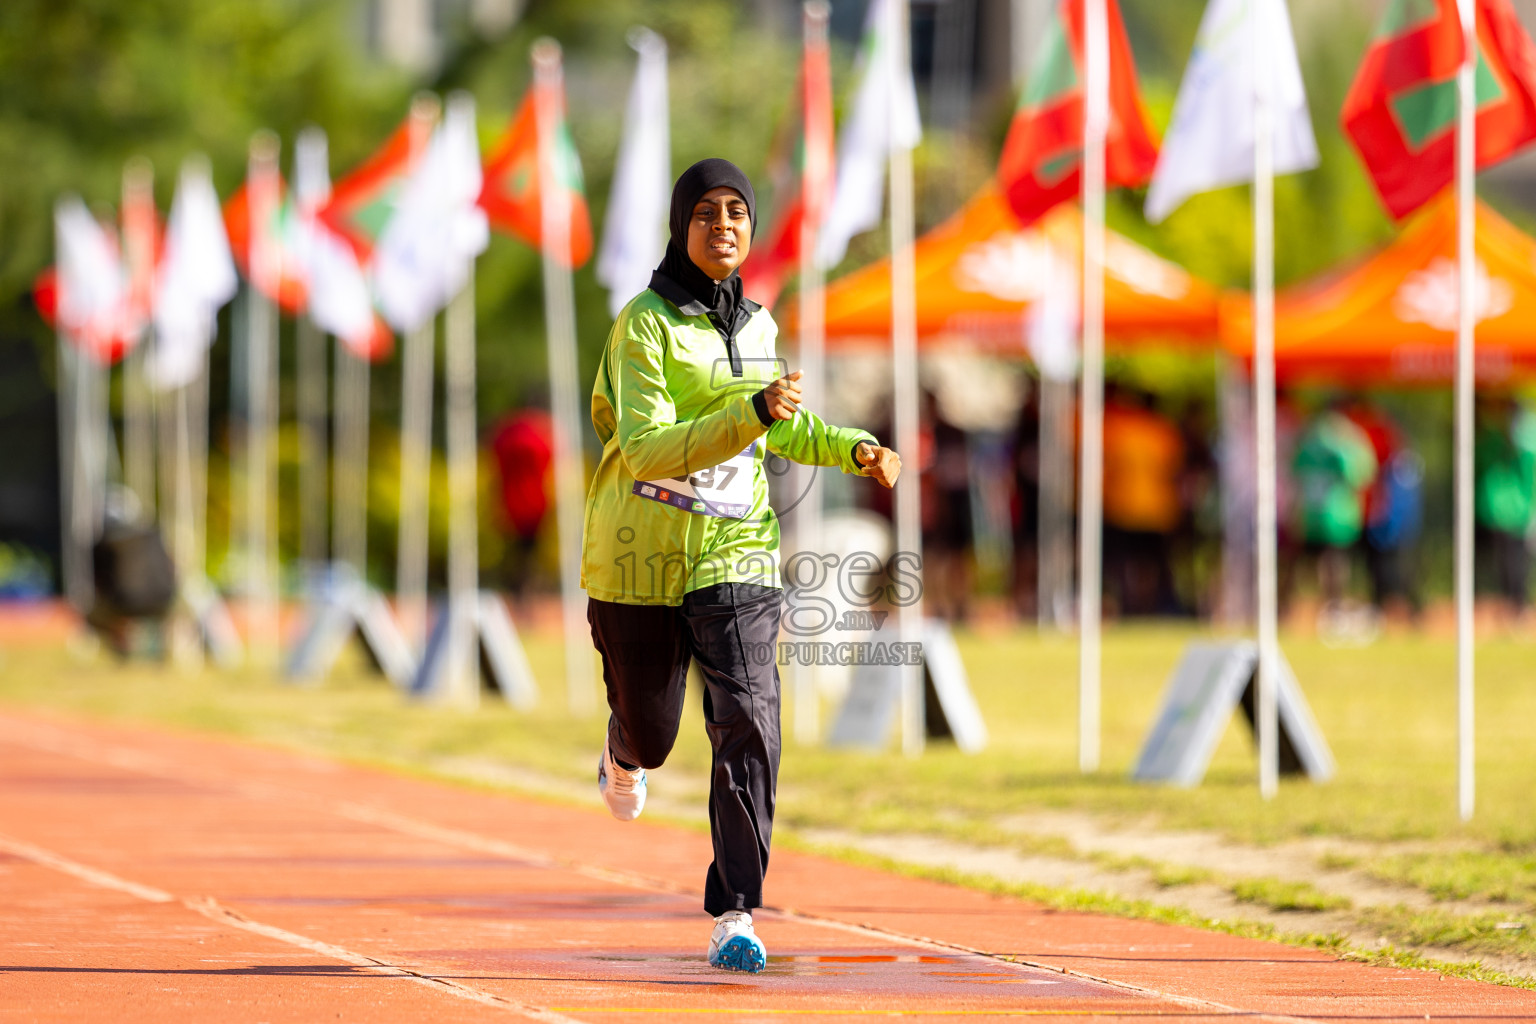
(1211, 680)
(868, 714)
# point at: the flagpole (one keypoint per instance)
(197, 432)
(311, 387)
(416, 378)
(311, 187)
(349, 467)
(1267, 672)
(261, 395)
(138, 398)
(1091, 481)
(560, 328)
(81, 581)
(1466, 319)
(74, 565)
(85, 521)
(463, 682)
(909, 538)
(813, 342)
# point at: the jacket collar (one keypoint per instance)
(689, 306)
(686, 304)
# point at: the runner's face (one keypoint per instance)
(719, 232)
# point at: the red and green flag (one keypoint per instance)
(803, 163)
(1041, 163)
(510, 195)
(1401, 109)
(362, 203)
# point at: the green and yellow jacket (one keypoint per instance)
(674, 397)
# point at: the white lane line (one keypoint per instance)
(95, 876)
(214, 911)
(372, 815)
(62, 742)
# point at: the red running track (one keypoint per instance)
(149, 875)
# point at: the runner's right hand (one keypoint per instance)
(783, 396)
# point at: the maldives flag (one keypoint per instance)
(363, 202)
(805, 174)
(510, 197)
(1401, 109)
(1041, 161)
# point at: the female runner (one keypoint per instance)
(680, 554)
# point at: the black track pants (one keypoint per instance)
(732, 629)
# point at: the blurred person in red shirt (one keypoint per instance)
(523, 445)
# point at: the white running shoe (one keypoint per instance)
(734, 946)
(623, 790)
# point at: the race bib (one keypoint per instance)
(724, 490)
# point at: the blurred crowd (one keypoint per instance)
(1178, 506)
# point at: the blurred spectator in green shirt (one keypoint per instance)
(1334, 466)
(1505, 473)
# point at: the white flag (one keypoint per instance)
(1210, 142)
(197, 276)
(339, 300)
(92, 281)
(871, 133)
(635, 233)
(428, 248)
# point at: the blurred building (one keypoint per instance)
(414, 33)
(966, 54)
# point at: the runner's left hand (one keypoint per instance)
(881, 463)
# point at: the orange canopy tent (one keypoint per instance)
(979, 271)
(1392, 317)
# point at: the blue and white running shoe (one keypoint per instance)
(734, 946)
(622, 790)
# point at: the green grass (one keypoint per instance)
(1470, 933)
(1171, 876)
(1497, 875)
(1388, 712)
(1281, 894)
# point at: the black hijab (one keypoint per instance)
(721, 298)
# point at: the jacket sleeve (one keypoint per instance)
(653, 444)
(808, 440)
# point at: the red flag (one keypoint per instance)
(1042, 157)
(45, 296)
(288, 288)
(510, 196)
(774, 258)
(1401, 109)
